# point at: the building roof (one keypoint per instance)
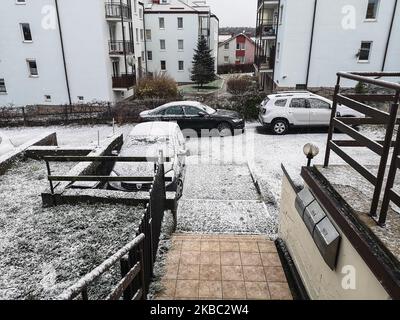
(178, 6)
(234, 37)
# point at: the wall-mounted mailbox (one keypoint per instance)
(313, 215)
(320, 227)
(303, 200)
(327, 240)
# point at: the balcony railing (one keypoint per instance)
(125, 81)
(117, 10)
(121, 47)
(264, 62)
(267, 28)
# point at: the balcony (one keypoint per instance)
(124, 81)
(266, 29)
(264, 63)
(117, 11)
(120, 47)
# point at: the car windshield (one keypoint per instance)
(207, 109)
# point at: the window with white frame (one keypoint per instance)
(226, 46)
(281, 14)
(150, 55)
(148, 34)
(163, 65)
(180, 45)
(226, 59)
(162, 44)
(47, 98)
(161, 23)
(21, 2)
(140, 13)
(181, 65)
(365, 51)
(32, 68)
(372, 9)
(141, 35)
(240, 46)
(3, 88)
(180, 23)
(137, 35)
(26, 32)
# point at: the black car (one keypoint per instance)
(197, 116)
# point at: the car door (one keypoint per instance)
(174, 114)
(193, 119)
(320, 112)
(299, 111)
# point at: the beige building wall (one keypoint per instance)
(320, 281)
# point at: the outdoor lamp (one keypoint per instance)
(310, 151)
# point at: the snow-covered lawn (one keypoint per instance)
(43, 251)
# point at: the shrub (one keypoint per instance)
(236, 68)
(360, 88)
(159, 86)
(239, 85)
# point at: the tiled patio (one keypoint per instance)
(226, 267)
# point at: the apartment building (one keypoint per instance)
(70, 51)
(239, 49)
(172, 30)
(302, 44)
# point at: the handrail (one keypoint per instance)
(365, 77)
(103, 159)
(84, 282)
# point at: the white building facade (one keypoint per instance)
(69, 51)
(305, 43)
(172, 31)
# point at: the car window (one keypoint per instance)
(158, 112)
(192, 111)
(299, 103)
(319, 104)
(174, 111)
(280, 102)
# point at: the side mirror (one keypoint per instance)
(202, 114)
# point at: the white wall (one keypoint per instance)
(230, 52)
(171, 34)
(334, 47)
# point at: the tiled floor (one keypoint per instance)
(223, 267)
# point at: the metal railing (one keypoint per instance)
(373, 116)
(266, 28)
(125, 81)
(121, 47)
(136, 258)
(118, 10)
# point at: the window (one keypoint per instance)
(192, 111)
(148, 34)
(47, 98)
(174, 111)
(161, 23)
(318, 104)
(226, 46)
(33, 70)
(180, 23)
(240, 46)
(226, 59)
(280, 102)
(162, 44)
(150, 55)
(181, 65)
(372, 9)
(299, 103)
(3, 88)
(163, 65)
(278, 52)
(365, 51)
(135, 6)
(141, 35)
(137, 35)
(81, 98)
(21, 2)
(281, 14)
(141, 13)
(26, 32)
(180, 44)
(240, 60)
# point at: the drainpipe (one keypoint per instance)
(311, 42)
(63, 52)
(389, 35)
(145, 42)
(123, 36)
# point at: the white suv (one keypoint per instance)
(298, 108)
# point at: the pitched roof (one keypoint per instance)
(234, 37)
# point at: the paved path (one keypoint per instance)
(215, 267)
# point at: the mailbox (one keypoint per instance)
(313, 215)
(327, 240)
(303, 200)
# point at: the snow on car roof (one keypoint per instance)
(180, 103)
(154, 129)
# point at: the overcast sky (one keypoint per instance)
(235, 13)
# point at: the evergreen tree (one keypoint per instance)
(203, 70)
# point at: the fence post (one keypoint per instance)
(142, 271)
(125, 268)
(331, 124)
(23, 115)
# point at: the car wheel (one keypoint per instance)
(280, 127)
(224, 129)
(179, 189)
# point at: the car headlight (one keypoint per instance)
(237, 120)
